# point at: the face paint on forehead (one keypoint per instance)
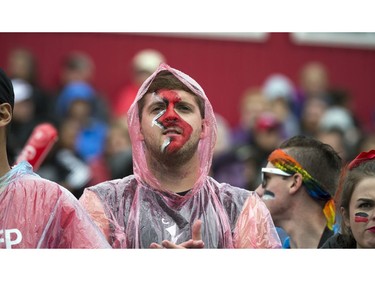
(171, 122)
(361, 217)
(170, 98)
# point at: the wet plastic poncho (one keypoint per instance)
(135, 211)
(38, 213)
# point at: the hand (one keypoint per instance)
(195, 243)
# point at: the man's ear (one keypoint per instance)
(5, 114)
(140, 135)
(204, 127)
(296, 183)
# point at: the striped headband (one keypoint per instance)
(288, 164)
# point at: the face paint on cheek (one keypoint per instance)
(268, 195)
(155, 120)
(165, 144)
(169, 118)
(361, 217)
(178, 142)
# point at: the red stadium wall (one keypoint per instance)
(224, 68)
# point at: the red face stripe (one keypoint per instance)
(171, 119)
(361, 217)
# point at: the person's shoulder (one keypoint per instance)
(39, 183)
(117, 185)
(226, 190)
(38, 189)
(23, 176)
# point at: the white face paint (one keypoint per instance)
(155, 122)
(266, 197)
(166, 142)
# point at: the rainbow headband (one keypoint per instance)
(288, 164)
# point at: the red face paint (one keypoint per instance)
(172, 123)
(361, 217)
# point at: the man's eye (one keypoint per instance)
(184, 108)
(156, 109)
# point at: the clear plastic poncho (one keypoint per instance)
(135, 211)
(38, 213)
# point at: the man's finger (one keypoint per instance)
(155, 246)
(196, 231)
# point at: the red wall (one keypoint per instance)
(224, 68)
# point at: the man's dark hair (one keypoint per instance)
(6, 89)
(320, 160)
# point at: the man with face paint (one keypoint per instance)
(298, 185)
(35, 212)
(356, 196)
(171, 201)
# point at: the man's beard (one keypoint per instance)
(173, 159)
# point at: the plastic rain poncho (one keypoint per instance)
(38, 213)
(135, 211)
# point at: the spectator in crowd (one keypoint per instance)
(253, 103)
(280, 92)
(314, 79)
(240, 165)
(77, 101)
(82, 137)
(356, 197)
(143, 64)
(63, 164)
(79, 67)
(268, 135)
(35, 212)
(335, 138)
(116, 160)
(312, 112)
(314, 82)
(22, 66)
(24, 118)
(171, 201)
(227, 164)
(340, 118)
(298, 186)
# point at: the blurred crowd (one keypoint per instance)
(94, 143)
(279, 109)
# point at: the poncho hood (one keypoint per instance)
(142, 172)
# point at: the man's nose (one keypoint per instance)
(170, 116)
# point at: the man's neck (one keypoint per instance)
(177, 178)
(305, 228)
(307, 237)
(4, 165)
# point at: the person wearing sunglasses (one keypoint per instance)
(297, 186)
